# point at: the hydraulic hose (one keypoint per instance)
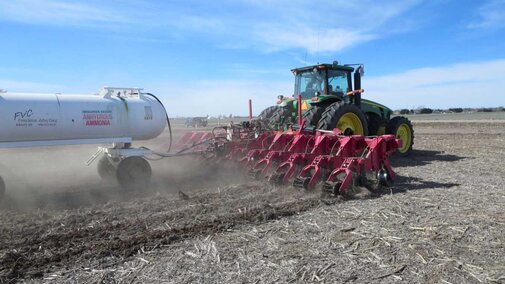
(168, 120)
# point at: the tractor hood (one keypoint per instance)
(375, 104)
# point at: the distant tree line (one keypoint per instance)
(425, 110)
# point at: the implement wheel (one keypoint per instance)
(346, 117)
(402, 129)
(312, 116)
(106, 169)
(281, 115)
(133, 172)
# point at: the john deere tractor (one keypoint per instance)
(331, 98)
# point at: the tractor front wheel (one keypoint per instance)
(281, 116)
(347, 117)
(312, 116)
(402, 129)
(267, 113)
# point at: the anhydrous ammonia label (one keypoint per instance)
(97, 117)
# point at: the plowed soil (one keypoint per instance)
(442, 221)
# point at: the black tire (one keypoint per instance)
(267, 113)
(375, 123)
(401, 123)
(106, 169)
(281, 115)
(133, 172)
(334, 112)
(312, 116)
(2, 188)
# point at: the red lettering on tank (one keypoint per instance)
(97, 122)
(97, 118)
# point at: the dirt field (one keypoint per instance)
(443, 221)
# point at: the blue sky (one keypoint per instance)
(209, 57)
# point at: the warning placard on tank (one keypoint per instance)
(97, 117)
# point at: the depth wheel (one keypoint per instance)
(312, 116)
(133, 172)
(2, 188)
(106, 169)
(346, 117)
(402, 129)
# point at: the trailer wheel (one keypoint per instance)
(106, 169)
(346, 117)
(2, 188)
(133, 172)
(312, 116)
(402, 129)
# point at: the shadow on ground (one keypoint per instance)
(402, 184)
(424, 157)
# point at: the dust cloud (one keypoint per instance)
(58, 177)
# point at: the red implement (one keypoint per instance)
(304, 158)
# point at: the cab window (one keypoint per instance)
(308, 83)
(337, 82)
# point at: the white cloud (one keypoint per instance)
(326, 26)
(473, 84)
(312, 40)
(56, 12)
(491, 16)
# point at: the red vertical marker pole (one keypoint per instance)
(250, 110)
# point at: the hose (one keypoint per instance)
(168, 120)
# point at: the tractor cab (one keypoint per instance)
(322, 80)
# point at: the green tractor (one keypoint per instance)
(331, 98)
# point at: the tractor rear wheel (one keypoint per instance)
(281, 115)
(133, 172)
(347, 117)
(312, 116)
(402, 129)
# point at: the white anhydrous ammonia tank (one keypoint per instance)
(112, 115)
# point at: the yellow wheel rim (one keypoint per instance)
(350, 121)
(403, 133)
